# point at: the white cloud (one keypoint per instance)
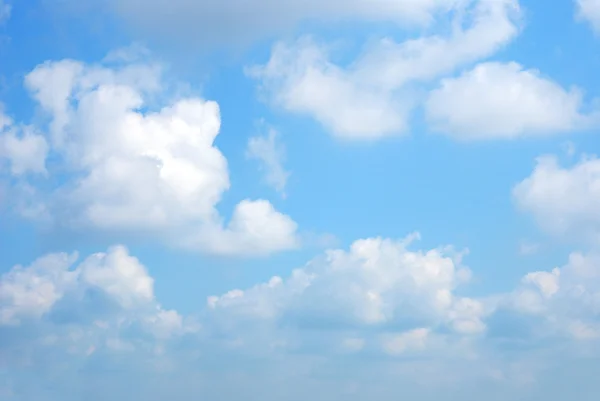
(235, 21)
(590, 11)
(29, 293)
(121, 276)
(135, 167)
(371, 97)
(270, 153)
(255, 228)
(503, 100)
(302, 80)
(567, 298)
(23, 148)
(377, 282)
(32, 291)
(563, 200)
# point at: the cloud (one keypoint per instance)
(376, 297)
(378, 283)
(77, 319)
(372, 97)
(589, 10)
(32, 291)
(563, 200)
(111, 285)
(529, 248)
(270, 153)
(377, 310)
(503, 100)
(23, 148)
(380, 297)
(255, 228)
(136, 158)
(240, 22)
(566, 299)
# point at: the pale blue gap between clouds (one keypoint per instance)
(403, 313)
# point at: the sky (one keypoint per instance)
(327, 200)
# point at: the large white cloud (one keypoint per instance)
(563, 200)
(503, 100)
(378, 282)
(127, 164)
(372, 96)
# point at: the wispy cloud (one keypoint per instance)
(270, 153)
(5, 11)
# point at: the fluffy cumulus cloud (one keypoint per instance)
(135, 158)
(402, 308)
(372, 96)
(104, 290)
(377, 283)
(77, 319)
(378, 295)
(563, 302)
(503, 100)
(563, 200)
(410, 297)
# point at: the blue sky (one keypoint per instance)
(304, 199)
